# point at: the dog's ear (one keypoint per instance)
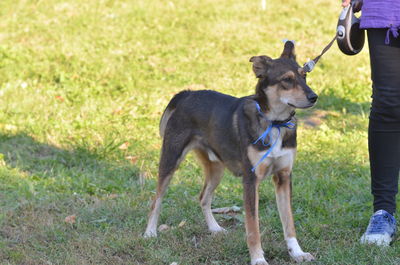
(261, 65)
(288, 50)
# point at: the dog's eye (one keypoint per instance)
(287, 79)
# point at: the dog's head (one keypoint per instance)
(282, 82)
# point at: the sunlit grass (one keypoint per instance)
(82, 87)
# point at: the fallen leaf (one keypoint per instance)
(117, 111)
(132, 159)
(156, 145)
(173, 263)
(163, 228)
(123, 146)
(113, 196)
(60, 98)
(169, 69)
(71, 219)
(182, 223)
(153, 61)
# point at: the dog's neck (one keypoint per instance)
(280, 115)
(273, 111)
(277, 117)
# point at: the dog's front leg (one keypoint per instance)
(283, 192)
(250, 187)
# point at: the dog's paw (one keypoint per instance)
(149, 234)
(259, 262)
(217, 230)
(301, 257)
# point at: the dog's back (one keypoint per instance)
(199, 108)
(170, 109)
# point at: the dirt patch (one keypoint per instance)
(316, 118)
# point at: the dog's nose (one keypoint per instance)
(312, 97)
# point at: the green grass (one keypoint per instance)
(80, 78)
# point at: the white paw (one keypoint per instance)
(303, 256)
(150, 233)
(259, 262)
(217, 230)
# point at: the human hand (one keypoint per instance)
(345, 3)
(357, 4)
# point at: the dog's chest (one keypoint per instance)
(275, 140)
(277, 158)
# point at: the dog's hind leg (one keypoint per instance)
(213, 171)
(283, 192)
(175, 147)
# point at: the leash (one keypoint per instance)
(309, 66)
(273, 124)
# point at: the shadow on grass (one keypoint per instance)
(77, 170)
(332, 105)
(329, 101)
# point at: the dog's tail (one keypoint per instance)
(170, 109)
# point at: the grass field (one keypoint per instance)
(82, 87)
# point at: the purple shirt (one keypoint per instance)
(381, 14)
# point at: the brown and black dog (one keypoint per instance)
(223, 131)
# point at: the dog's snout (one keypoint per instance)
(312, 97)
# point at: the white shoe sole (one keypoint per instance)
(377, 239)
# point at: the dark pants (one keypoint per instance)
(384, 123)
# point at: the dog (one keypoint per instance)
(253, 136)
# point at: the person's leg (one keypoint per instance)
(384, 155)
(384, 135)
(384, 126)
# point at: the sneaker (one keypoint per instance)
(381, 229)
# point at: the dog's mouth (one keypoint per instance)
(309, 105)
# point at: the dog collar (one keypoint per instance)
(277, 122)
